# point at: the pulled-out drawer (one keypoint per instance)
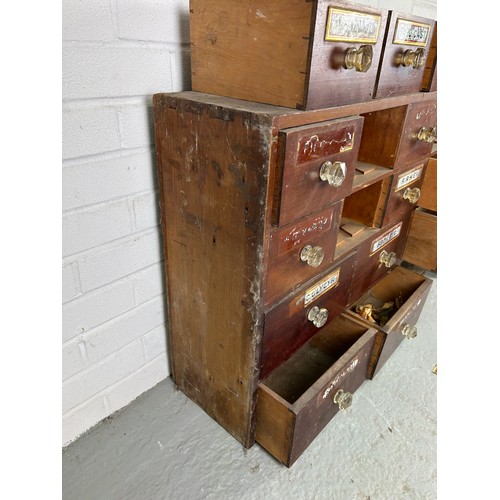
(405, 289)
(296, 319)
(301, 396)
(377, 255)
(405, 193)
(317, 166)
(404, 58)
(301, 250)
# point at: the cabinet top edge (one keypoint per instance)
(282, 113)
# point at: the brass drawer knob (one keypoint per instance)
(414, 58)
(427, 134)
(387, 258)
(360, 59)
(343, 399)
(412, 195)
(318, 316)
(410, 332)
(312, 255)
(334, 173)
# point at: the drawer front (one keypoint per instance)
(405, 193)
(318, 164)
(377, 255)
(301, 250)
(419, 134)
(345, 55)
(414, 289)
(320, 373)
(405, 54)
(288, 325)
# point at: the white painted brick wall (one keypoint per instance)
(115, 55)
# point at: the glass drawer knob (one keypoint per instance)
(312, 255)
(318, 316)
(359, 59)
(343, 399)
(414, 58)
(410, 332)
(387, 258)
(412, 195)
(334, 173)
(427, 134)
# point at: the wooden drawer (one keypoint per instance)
(419, 134)
(405, 193)
(377, 255)
(290, 53)
(399, 136)
(421, 245)
(428, 195)
(405, 54)
(317, 166)
(301, 250)
(297, 400)
(288, 325)
(412, 290)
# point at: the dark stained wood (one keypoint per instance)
(368, 270)
(220, 168)
(286, 271)
(394, 78)
(421, 247)
(397, 206)
(306, 149)
(329, 82)
(212, 212)
(414, 289)
(412, 149)
(336, 358)
(286, 326)
(390, 136)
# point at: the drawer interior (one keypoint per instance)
(362, 215)
(296, 375)
(399, 284)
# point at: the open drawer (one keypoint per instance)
(408, 291)
(297, 400)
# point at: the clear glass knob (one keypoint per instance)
(317, 316)
(412, 195)
(387, 258)
(334, 173)
(427, 134)
(410, 332)
(343, 399)
(312, 255)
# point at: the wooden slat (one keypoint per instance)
(421, 246)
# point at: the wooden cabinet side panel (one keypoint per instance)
(213, 165)
(231, 40)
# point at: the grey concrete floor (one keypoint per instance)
(163, 446)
